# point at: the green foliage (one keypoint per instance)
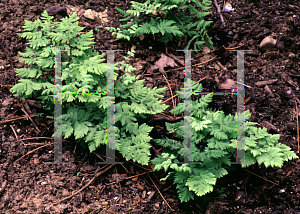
(84, 103)
(214, 145)
(176, 20)
(84, 88)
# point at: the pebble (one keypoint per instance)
(215, 37)
(55, 10)
(281, 191)
(292, 55)
(267, 43)
(289, 93)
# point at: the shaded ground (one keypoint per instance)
(31, 186)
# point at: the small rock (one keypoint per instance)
(133, 47)
(36, 161)
(291, 126)
(89, 14)
(228, 8)
(56, 9)
(215, 37)
(267, 43)
(289, 93)
(292, 55)
(65, 192)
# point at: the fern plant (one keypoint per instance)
(85, 115)
(172, 24)
(214, 145)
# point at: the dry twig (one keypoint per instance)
(30, 119)
(16, 134)
(75, 193)
(261, 177)
(170, 91)
(20, 118)
(219, 12)
(160, 193)
(32, 151)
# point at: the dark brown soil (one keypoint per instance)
(31, 186)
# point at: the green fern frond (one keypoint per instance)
(213, 146)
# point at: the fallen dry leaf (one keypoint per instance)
(228, 84)
(164, 61)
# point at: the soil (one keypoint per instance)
(29, 185)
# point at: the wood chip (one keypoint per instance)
(139, 187)
(3, 185)
(60, 178)
(268, 126)
(266, 82)
(162, 182)
(85, 207)
(135, 178)
(170, 199)
(36, 161)
(267, 89)
(151, 195)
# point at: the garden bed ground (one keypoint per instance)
(31, 186)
